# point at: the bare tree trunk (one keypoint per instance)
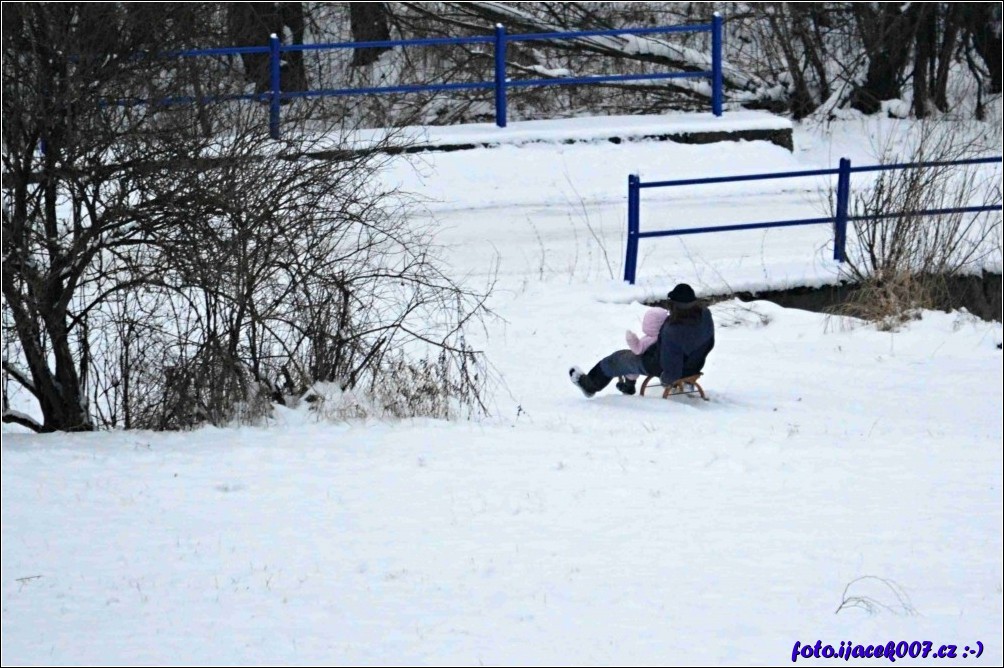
(982, 24)
(251, 23)
(294, 75)
(927, 35)
(813, 44)
(369, 24)
(37, 294)
(949, 40)
(783, 25)
(888, 34)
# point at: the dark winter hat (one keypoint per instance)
(682, 294)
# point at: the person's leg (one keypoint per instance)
(620, 363)
(626, 384)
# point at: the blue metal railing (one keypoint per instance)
(500, 83)
(839, 220)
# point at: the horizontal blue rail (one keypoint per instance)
(219, 51)
(916, 165)
(186, 99)
(275, 96)
(742, 177)
(732, 228)
(839, 220)
(708, 27)
(927, 212)
(387, 89)
(389, 43)
(600, 78)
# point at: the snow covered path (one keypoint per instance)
(545, 211)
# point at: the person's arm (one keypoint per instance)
(634, 343)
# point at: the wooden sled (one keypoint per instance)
(677, 387)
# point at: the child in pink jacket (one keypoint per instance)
(651, 323)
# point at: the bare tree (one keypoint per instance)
(783, 57)
(251, 24)
(981, 45)
(369, 24)
(154, 276)
(795, 42)
(618, 50)
(65, 206)
(823, 56)
(938, 30)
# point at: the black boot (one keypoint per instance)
(626, 386)
(580, 380)
(590, 383)
(596, 380)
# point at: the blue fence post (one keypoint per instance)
(634, 225)
(500, 92)
(275, 61)
(843, 200)
(716, 64)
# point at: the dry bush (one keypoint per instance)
(159, 276)
(905, 262)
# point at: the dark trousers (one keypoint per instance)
(622, 363)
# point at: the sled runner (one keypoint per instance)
(677, 387)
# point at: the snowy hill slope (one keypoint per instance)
(843, 483)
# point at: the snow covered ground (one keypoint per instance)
(843, 483)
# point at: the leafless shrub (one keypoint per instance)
(159, 277)
(901, 258)
(305, 272)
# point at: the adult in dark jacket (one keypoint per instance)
(685, 340)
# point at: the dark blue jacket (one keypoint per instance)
(681, 348)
